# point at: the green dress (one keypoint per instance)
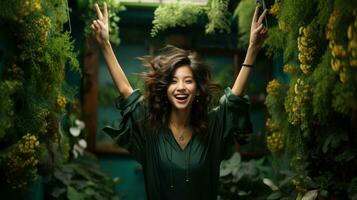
(171, 172)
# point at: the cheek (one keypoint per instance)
(169, 91)
(193, 88)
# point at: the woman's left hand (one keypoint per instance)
(258, 31)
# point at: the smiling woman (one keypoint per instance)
(176, 73)
(169, 130)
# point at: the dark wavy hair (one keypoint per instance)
(158, 77)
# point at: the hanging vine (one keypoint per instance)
(184, 14)
(317, 122)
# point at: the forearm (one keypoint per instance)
(116, 72)
(244, 73)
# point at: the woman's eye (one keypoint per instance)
(189, 81)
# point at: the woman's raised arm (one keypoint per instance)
(101, 29)
(257, 35)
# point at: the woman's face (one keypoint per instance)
(182, 88)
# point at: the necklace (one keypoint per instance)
(181, 136)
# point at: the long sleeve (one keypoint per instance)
(130, 132)
(230, 120)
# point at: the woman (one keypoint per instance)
(169, 131)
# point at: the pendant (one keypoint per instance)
(181, 138)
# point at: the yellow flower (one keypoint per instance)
(22, 161)
(350, 31)
(306, 48)
(330, 31)
(305, 68)
(282, 25)
(353, 62)
(271, 126)
(43, 24)
(61, 103)
(273, 87)
(275, 142)
(275, 8)
(343, 76)
(288, 68)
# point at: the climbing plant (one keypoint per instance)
(88, 14)
(35, 97)
(312, 124)
(184, 14)
(33, 85)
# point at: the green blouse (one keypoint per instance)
(169, 171)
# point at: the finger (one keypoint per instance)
(105, 11)
(100, 15)
(96, 25)
(95, 29)
(262, 16)
(264, 31)
(259, 28)
(255, 16)
(101, 24)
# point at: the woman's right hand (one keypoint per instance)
(100, 26)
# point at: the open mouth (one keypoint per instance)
(181, 97)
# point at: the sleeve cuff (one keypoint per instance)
(235, 99)
(122, 103)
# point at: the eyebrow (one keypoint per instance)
(189, 76)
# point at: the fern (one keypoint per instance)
(218, 16)
(175, 15)
(244, 12)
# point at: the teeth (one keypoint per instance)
(182, 96)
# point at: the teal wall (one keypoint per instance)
(129, 172)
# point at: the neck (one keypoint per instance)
(180, 118)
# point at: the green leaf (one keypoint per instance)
(89, 191)
(116, 197)
(310, 195)
(64, 177)
(56, 192)
(73, 194)
(345, 156)
(275, 195)
(82, 172)
(324, 193)
(354, 197)
(79, 184)
(327, 143)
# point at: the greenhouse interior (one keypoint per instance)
(212, 99)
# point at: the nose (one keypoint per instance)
(181, 86)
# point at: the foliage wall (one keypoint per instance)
(313, 120)
(39, 126)
(179, 14)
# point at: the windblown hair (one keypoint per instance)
(158, 78)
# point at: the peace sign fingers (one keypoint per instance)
(262, 16)
(100, 26)
(100, 15)
(105, 11)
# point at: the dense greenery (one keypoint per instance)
(35, 98)
(244, 12)
(312, 120)
(185, 14)
(88, 14)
